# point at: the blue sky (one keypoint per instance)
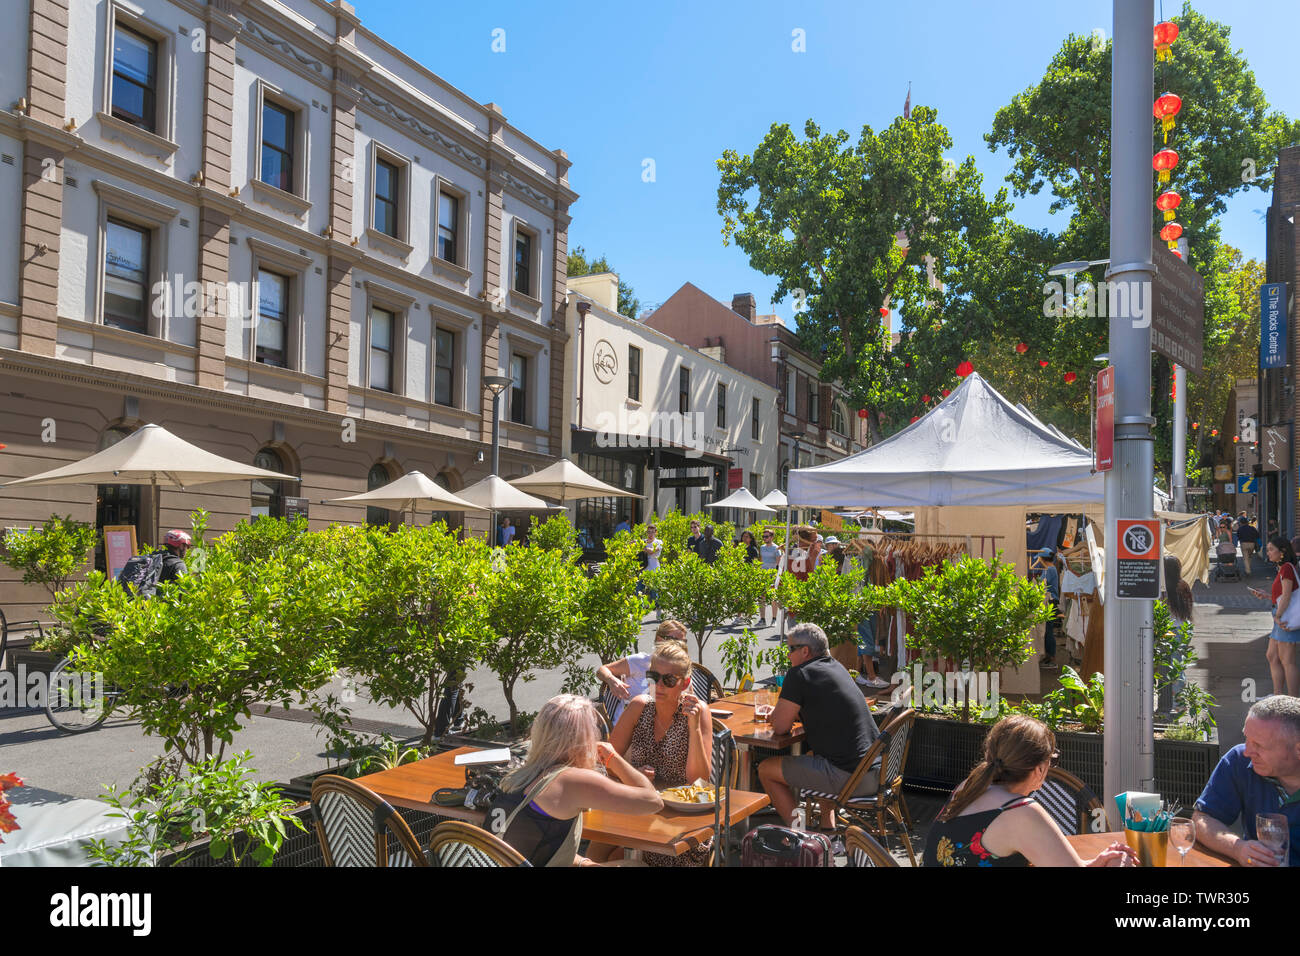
(615, 84)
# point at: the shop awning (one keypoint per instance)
(640, 449)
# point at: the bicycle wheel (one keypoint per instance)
(76, 701)
(4, 635)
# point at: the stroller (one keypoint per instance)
(1226, 569)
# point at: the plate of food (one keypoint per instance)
(718, 712)
(698, 797)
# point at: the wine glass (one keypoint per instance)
(1182, 834)
(1273, 830)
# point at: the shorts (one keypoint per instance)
(867, 637)
(1283, 636)
(811, 772)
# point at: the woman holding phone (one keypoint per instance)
(1282, 642)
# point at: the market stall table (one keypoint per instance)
(411, 787)
(1088, 845)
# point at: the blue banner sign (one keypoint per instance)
(1272, 325)
(1246, 485)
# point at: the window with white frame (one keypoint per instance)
(132, 260)
(683, 390)
(138, 82)
(524, 277)
(389, 195)
(837, 419)
(754, 419)
(791, 393)
(383, 331)
(272, 334)
(814, 402)
(722, 405)
(134, 91)
(278, 327)
(444, 367)
(634, 373)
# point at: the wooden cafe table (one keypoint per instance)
(1088, 845)
(751, 735)
(667, 832)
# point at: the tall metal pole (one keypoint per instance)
(1129, 743)
(496, 460)
(1179, 479)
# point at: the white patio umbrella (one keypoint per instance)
(494, 493)
(774, 499)
(151, 455)
(565, 481)
(407, 493)
(743, 500)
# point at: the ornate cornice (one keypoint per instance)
(257, 32)
(413, 123)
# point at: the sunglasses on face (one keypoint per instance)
(668, 680)
(791, 648)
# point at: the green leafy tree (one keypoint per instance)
(191, 661)
(702, 596)
(52, 554)
(608, 615)
(579, 265)
(971, 611)
(837, 603)
(530, 599)
(556, 533)
(674, 528)
(825, 216)
(420, 621)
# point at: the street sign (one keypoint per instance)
(1247, 485)
(1105, 443)
(1222, 472)
(691, 481)
(1137, 558)
(1198, 491)
(1272, 325)
(1177, 310)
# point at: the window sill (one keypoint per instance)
(278, 199)
(386, 243)
(112, 332)
(452, 269)
(526, 302)
(288, 374)
(524, 430)
(136, 139)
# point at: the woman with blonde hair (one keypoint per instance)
(992, 819)
(625, 677)
(668, 735)
(539, 809)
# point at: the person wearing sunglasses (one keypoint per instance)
(626, 677)
(993, 819)
(667, 734)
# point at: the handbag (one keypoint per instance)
(1290, 619)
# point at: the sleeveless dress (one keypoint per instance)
(958, 842)
(668, 757)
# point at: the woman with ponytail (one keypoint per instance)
(992, 820)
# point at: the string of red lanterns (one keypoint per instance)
(1165, 108)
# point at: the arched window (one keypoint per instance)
(268, 493)
(378, 477)
(115, 504)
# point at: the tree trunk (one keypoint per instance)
(509, 690)
(873, 426)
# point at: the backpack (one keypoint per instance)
(142, 573)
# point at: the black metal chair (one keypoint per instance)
(357, 827)
(1069, 802)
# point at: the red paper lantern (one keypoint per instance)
(925, 399)
(884, 312)
(1164, 34)
(1196, 424)
(1165, 109)
(862, 413)
(1069, 378)
(1042, 363)
(1171, 231)
(1214, 433)
(1167, 202)
(1164, 161)
(946, 393)
(964, 369)
(1022, 348)
(1235, 439)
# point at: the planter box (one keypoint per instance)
(944, 752)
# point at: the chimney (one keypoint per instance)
(745, 305)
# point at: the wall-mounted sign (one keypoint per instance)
(1222, 472)
(1272, 325)
(1275, 448)
(1137, 559)
(1247, 485)
(1177, 310)
(690, 481)
(604, 362)
(1105, 443)
(296, 507)
(735, 478)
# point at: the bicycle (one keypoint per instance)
(76, 702)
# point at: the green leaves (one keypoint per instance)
(837, 603)
(51, 554)
(702, 595)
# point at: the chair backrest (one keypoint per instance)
(704, 685)
(608, 704)
(900, 733)
(864, 850)
(726, 770)
(864, 766)
(357, 827)
(455, 843)
(1068, 801)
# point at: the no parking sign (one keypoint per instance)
(1137, 558)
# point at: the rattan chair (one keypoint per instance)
(871, 812)
(357, 827)
(454, 843)
(704, 685)
(1068, 801)
(726, 770)
(864, 850)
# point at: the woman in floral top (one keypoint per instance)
(992, 820)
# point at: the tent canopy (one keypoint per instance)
(974, 448)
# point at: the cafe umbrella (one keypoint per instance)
(153, 456)
(565, 481)
(407, 493)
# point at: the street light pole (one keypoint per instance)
(496, 384)
(1128, 743)
(1178, 480)
(789, 517)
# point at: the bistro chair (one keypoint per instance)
(608, 704)
(455, 843)
(864, 850)
(726, 770)
(357, 827)
(891, 747)
(704, 685)
(1068, 801)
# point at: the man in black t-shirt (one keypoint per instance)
(708, 546)
(838, 727)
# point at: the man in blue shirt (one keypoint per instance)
(1046, 565)
(1260, 776)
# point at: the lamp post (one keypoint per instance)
(789, 516)
(496, 384)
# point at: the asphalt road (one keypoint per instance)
(82, 765)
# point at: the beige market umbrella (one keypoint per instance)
(407, 493)
(565, 481)
(494, 493)
(774, 499)
(151, 455)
